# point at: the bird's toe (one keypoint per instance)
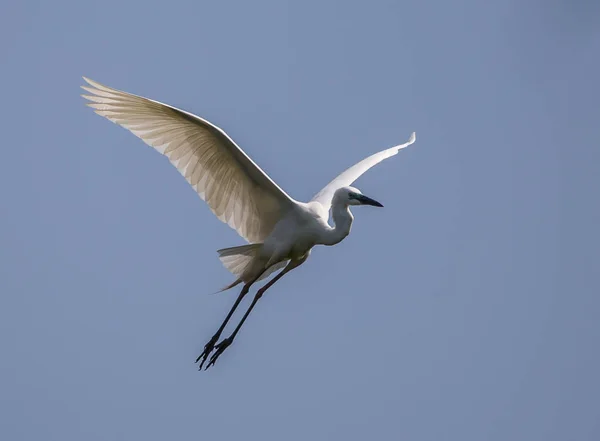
(219, 349)
(208, 348)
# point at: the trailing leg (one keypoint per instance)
(224, 344)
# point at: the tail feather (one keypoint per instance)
(240, 262)
(238, 259)
(231, 285)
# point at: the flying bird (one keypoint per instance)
(280, 231)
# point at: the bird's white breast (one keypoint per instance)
(296, 233)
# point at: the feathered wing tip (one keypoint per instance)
(411, 140)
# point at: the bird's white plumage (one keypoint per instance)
(237, 191)
(325, 196)
(281, 231)
(238, 260)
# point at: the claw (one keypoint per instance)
(220, 348)
(208, 348)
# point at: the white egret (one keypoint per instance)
(280, 230)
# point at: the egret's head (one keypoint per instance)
(353, 196)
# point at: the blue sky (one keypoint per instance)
(466, 309)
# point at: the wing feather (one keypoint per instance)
(237, 191)
(325, 196)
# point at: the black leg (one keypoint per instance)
(208, 347)
(220, 348)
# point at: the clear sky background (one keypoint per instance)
(466, 309)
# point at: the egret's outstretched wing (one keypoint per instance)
(237, 191)
(353, 173)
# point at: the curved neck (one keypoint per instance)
(343, 223)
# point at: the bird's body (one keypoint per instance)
(297, 233)
(280, 230)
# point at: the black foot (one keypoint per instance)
(208, 348)
(220, 348)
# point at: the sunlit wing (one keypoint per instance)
(237, 191)
(325, 196)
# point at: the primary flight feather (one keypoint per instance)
(280, 230)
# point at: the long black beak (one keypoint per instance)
(364, 200)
